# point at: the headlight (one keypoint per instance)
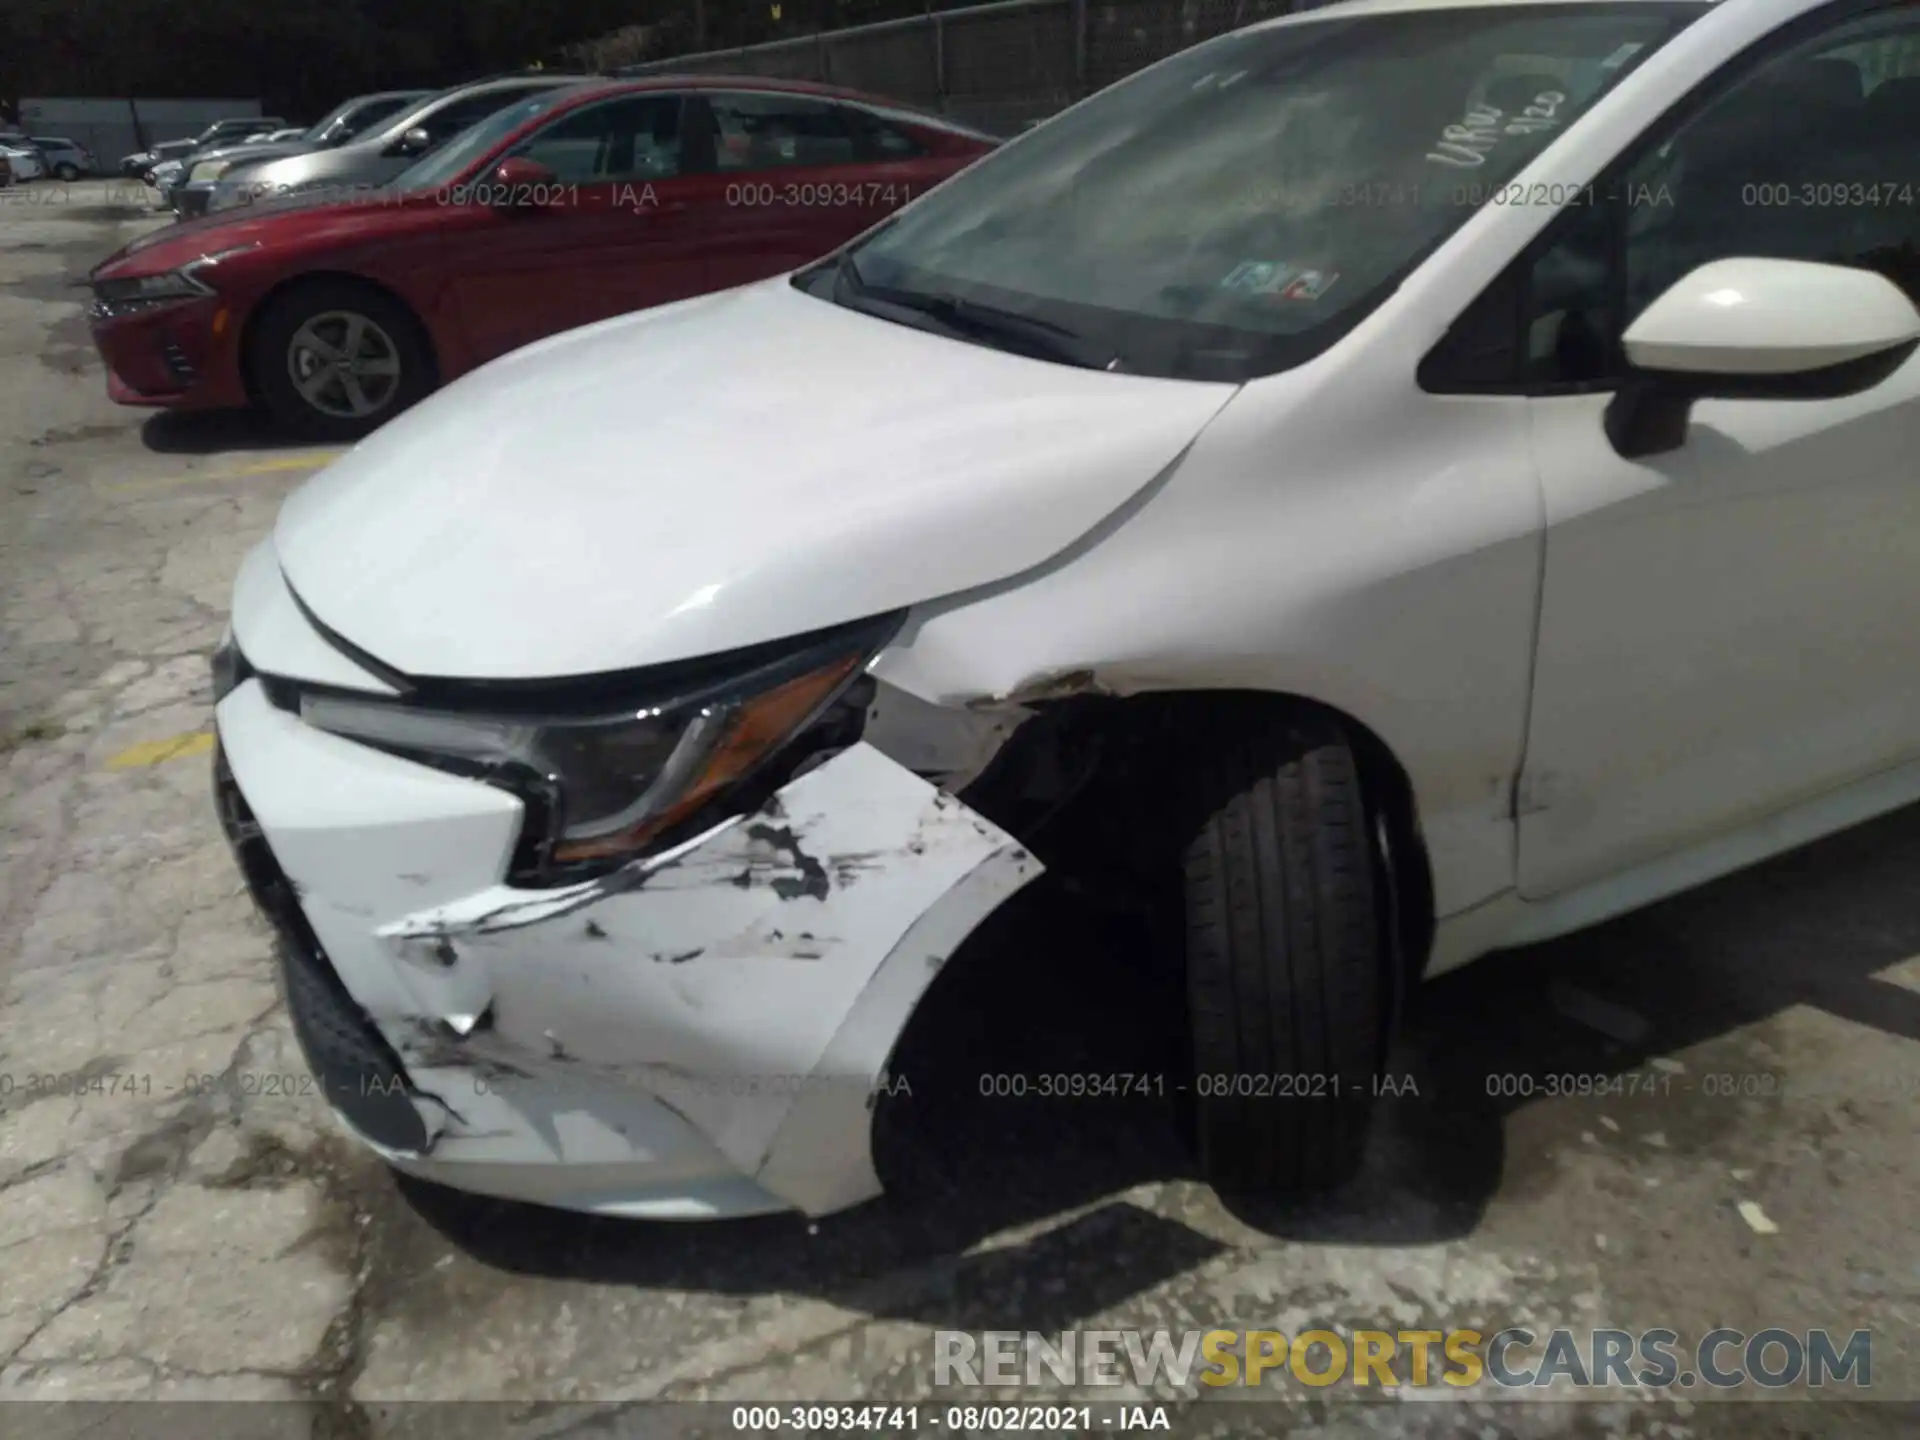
(186, 283)
(209, 170)
(605, 782)
(174, 285)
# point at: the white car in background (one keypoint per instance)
(22, 160)
(1432, 475)
(64, 159)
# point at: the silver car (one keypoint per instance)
(163, 177)
(382, 153)
(23, 161)
(221, 132)
(67, 159)
(346, 122)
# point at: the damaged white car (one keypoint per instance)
(1432, 476)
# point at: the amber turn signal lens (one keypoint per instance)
(757, 728)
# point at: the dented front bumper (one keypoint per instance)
(701, 1033)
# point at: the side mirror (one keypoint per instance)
(1754, 329)
(415, 141)
(517, 183)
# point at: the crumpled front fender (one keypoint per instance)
(753, 981)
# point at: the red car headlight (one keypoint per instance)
(149, 289)
(189, 282)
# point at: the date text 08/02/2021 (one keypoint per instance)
(1052, 1085)
(1079, 1085)
(953, 1419)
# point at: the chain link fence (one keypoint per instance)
(998, 66)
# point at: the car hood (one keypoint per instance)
(712, 474)
(354, 160)
(258, 224)
(262, 150)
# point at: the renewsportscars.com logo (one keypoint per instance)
(1513, 1358)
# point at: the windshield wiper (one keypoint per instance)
(972, 320)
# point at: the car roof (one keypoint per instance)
(702, 81)
(709, 80)
(1394, 7)
(498, 82)
(518, 77)
(433, 99)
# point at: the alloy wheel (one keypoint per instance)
(344, 364)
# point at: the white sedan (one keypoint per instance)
(22, 160)
(1432, 475)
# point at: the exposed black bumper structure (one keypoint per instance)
(350, 1058)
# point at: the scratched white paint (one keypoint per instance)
(1480, 580)
(699, 1034)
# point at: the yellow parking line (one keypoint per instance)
(311, 460)
(158, 752)
(279, 464)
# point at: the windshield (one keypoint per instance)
(1234, 210)
(352, 119)
(318, 130)
(445, 165)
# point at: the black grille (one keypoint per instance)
(352, 1061)
(177, 362)
(101, 310)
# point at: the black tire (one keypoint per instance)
(1288, 953)
(270, 361)
(67, 172)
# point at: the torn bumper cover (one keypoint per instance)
(700, 1033)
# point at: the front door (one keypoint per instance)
(1731, 628)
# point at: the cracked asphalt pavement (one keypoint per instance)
(179, 1219)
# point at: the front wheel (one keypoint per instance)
(1288, 981)
(67, 172)
(333, 359)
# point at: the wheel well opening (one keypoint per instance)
(1094, 786)
(1091, 782)
(309, 280)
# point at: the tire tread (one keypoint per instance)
(1285, 952)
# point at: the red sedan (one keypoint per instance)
(582, 203)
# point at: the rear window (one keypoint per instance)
(764, 131)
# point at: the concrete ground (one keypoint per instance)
(175, 1223)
